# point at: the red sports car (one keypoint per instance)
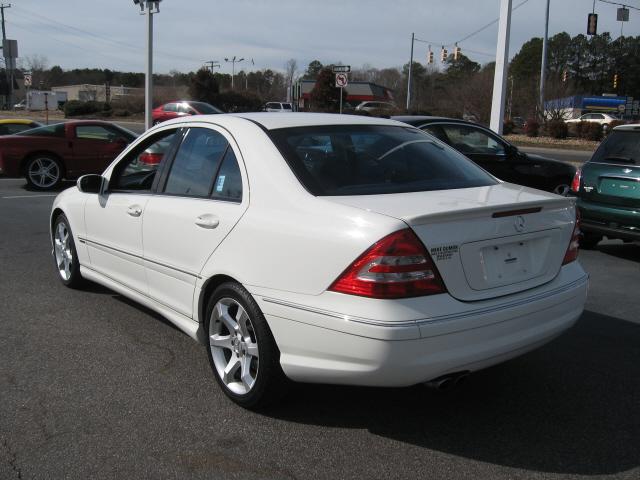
(46, 155)
(181, 109)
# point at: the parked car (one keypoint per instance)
(363, 253)
(21, 105)
(496, 155)
(376, 108)
(47, 155)
(603, 119)
(182, 108)
(277, 107)
(17, 125)
(608, 188)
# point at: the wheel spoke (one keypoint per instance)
(242, 319)
(67, 268)
(231, 369)
(39, 164)
(223, 315)
(50, 175)
(252, 349)
(245, 373)
(221, 341)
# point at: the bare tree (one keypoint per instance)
(291, 67)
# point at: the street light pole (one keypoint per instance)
(543, 67)
(233, 62)
(148, 8)
(502, 67)
(413, 36)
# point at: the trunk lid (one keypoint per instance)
(486, 241)
(611, 184)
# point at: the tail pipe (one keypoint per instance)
(448, 381)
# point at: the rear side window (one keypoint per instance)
(228, 184)
(621, 147)
(369, 160)
(195, 165)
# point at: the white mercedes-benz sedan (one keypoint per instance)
(324, 248)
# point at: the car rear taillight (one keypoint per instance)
(398, 266)
(151, 158)
(574, 244)
(575, 183)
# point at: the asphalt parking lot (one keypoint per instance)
(94, 386)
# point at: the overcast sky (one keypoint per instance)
(111, 33)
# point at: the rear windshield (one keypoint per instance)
(371, 160)
(621, 147)
(56, 130)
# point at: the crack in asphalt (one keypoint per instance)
(13, 458)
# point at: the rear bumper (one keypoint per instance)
(321, 347)
(609, 220)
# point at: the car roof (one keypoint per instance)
(631, 127)
(16, 121)
(271, 121)
(422, 119)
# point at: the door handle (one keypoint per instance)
(207, 221)
(134, 210)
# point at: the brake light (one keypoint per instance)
(575, 183)
(398, 266)
(574, 244)
(151, 158)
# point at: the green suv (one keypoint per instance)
(608, 188)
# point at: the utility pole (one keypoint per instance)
(148, 8)
(211, 64)
(502, 67)
(543, 68)
(6, 64)
(413, 36)
(233, 62)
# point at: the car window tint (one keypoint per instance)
(368, 160)
(620, 147)
(228, 184)
(12, 128)
(170, 107)
(286, 106)
(438, 132)
(138, 169)
(471, 140)
(56, 130)
(93, 132)
(195, 165)
(184, 108)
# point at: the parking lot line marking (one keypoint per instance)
(30, 196)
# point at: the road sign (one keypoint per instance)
(341, 68)
(622, 107)
(28, 79)
(341, 80)
(623, 14)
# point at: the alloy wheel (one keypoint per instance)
(44, 172)
(63, 251)
(234, 346)
(561, 189)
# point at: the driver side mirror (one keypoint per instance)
(90, 183)
(511, 151)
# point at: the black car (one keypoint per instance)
(496, 155)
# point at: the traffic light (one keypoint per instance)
(456, 53)
(565, 76)
(615, 81)
(592, 24)
(443, 55)
(430, 57)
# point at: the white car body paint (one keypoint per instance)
(286, 247)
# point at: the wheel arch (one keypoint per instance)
(207, 289)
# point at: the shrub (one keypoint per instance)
(237, 102)
(593, 131)
(532, 127)
(74, 108)
(508, 127)
(128, 103)
(557, 129)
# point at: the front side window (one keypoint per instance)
(370, 160)
(194, 168)
(137, 171)
(170, 107)
(471, 140)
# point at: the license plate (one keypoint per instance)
(508, 262)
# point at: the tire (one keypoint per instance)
(65, 255)
(243, 355)
(589, 240)
(43, 172)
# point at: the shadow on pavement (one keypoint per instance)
(625, 251)
(63, 186)
(553, 410)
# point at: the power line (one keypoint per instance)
(490, 24)
(621, 4)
